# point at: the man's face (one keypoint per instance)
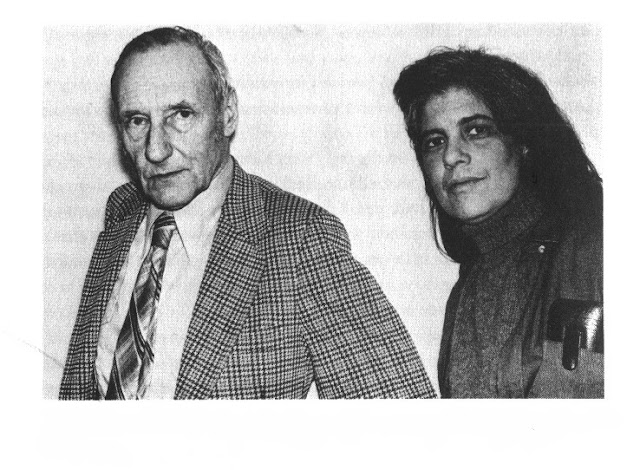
(471, 167)
(169, 123)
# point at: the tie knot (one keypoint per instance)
(163, 229)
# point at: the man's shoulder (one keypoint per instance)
(124, 201)
(282, 199)
(284, 206)
(290, 212)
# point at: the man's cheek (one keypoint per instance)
(134, 151)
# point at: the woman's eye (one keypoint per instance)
(477, 130)
(480, 131)
(432, 143)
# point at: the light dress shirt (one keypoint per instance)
(186, 261)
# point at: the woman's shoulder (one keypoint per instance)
(578, 258)
(581, 236)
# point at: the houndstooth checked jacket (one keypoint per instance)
(282, 303)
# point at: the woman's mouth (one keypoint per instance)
(462, 185)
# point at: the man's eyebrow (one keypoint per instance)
(181, 105)
(124, 115)
(128, 113)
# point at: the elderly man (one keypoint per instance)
(208, 282)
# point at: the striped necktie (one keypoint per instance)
(133, 359)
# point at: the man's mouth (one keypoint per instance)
(165, 175)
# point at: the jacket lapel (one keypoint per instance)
(229, 285)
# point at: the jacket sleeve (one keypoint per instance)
(358, 344)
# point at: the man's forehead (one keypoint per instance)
(164, 72)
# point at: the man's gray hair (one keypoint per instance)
(177, 35)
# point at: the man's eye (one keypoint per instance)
(136, 126)
(184, 114)
(182, 120)
(136, 121)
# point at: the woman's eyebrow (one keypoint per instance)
(424, 134)
(467, 119)
(432, 130)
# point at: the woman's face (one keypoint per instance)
(471, 167)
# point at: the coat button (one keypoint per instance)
(541, 249)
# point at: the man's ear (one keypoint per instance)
(113, 115)
(230, 118)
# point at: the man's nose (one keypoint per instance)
(158, 146)
(456, 153)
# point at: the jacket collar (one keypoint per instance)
(243, 209)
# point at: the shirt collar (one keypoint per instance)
(199, 217)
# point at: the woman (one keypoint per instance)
(519, 205)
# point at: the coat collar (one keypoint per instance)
(243, 209)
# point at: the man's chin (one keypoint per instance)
(169, 202)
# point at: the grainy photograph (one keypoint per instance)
(322, 211)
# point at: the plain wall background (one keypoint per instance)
(317, 118)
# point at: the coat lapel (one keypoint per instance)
(229, 285)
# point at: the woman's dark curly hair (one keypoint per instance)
(556, 166)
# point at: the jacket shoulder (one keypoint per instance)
(579, 260)
(289, 212)
(123, 202)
